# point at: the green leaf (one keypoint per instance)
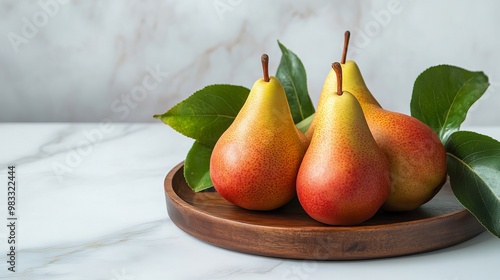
(304, 124)
(474, 168)
(292, 75)
(443, 94)
(206, 114)
(197, 167)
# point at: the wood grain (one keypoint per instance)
(289, 232)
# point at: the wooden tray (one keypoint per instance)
(289, 232)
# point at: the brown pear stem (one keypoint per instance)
(338, 70)
(347, 35)
(265, 66)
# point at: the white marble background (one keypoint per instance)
(74, 60)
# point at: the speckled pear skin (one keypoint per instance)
(344, 177)
(415, 153)
(254, 163)
(354, 85)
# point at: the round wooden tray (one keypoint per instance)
(289, 232)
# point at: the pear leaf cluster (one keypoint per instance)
(204, 116)
(442, 96)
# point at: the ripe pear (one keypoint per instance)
(254, 163)
(344, 177)
(415, 153)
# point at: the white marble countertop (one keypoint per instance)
(91, 205)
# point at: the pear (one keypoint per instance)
(254, 163)
(344, 177)
(415, 153)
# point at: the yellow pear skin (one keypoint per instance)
(254, 163)
(344, 177)
(415, 153)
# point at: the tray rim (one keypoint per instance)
(174, 198)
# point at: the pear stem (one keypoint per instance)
(265, 66)
(347, 35)
(338, 70)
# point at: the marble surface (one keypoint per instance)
(82, 61)
(91, 205)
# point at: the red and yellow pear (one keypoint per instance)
(415, 153)
(254, 163)
(344, 177)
